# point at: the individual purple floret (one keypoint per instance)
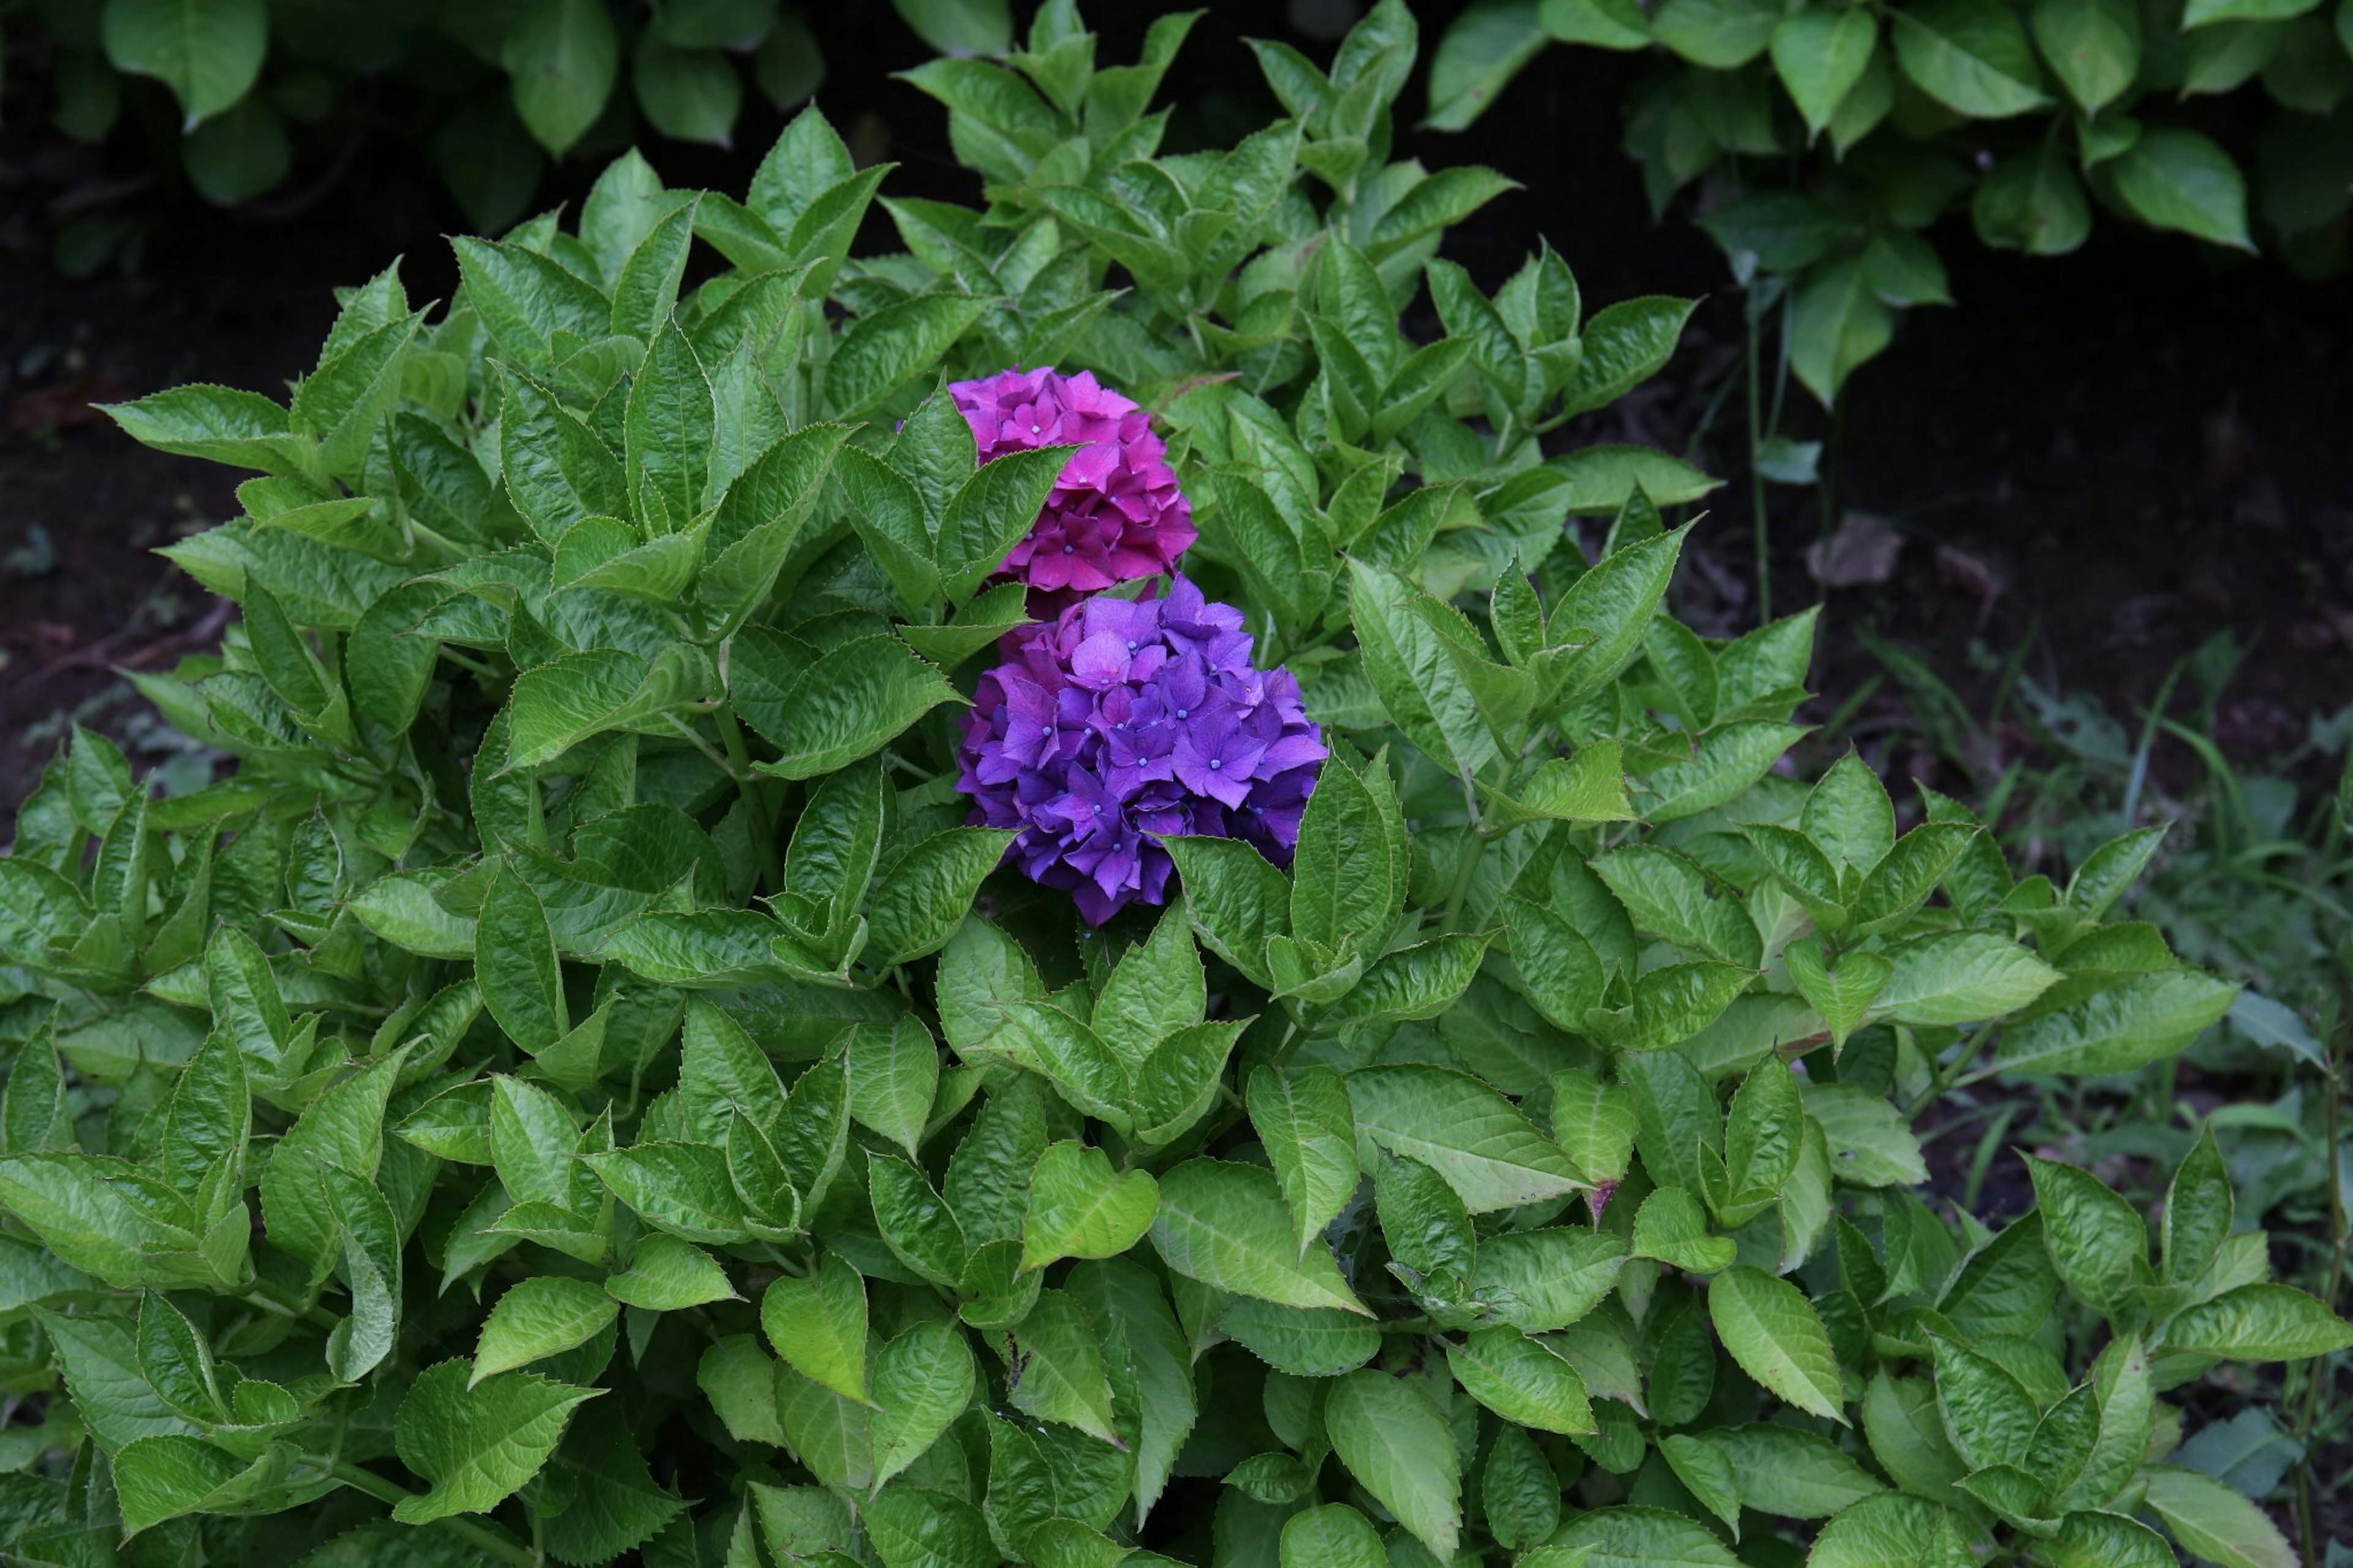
(1123, 720)
(1116, 514)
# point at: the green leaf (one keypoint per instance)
(1625, 345)
(884, 352)
(342, 1128)
(1670, 896)
(667, 1275)
(1603, 24)
(921, 898)
(1520, 1493)
(1628, 1536)
(67, 1201)
(218, 424)
(960, 26)
(611, 1500)
(689, 95)
(1427, 1228)
(818, 1323)
(516, 963)
(2200, 1210)
(1601, 620)
(579, 695)
(1988, 1412)
(1418, 982)
(1870, 1143)
(2032, 202)
(1722, 35)
(1397, 1444)
(1123, 1295)
(2216, 1523)
(1061, 1369)
(670, 425)
(562, 58)
(854, 700)
(1888, 1529)
(1587, 787)
(1421, 686)
(991, 512)
(1237, 900)
(919, 1229)
(829, 1434)
(911, 1528)
(1082, 1070)
(538, 1318)
(1706, 1473)
(208, 52)
(477, 1445)
(1547, 1279)
(1156, 988)
(2205, 12)
(1819, 56)
(2180, 179)
(683, 1188)
(1959, 977)
(1842, 997)
(1971, 55)
(740, 1382)
(1331, 1536)
(1080, 1208)
(1560, 971)
(2144, 1019)
(1522, 1380)
(2098, 1242)
(1791, 1473)
(1226, 1225)
(1775, 1334)
(2259, 1322)
(1594, 1123)
(894, 1076)
(1304, 1122)
(2093, 46)
(1305, 1341)
(1487, 1150)
(922, 1381)
(2090, 1539)
(1838, 322)
(1601, 479)
(1672, 1226)
(1481, 50)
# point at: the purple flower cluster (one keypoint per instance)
(1122, 720)
(1116, 514)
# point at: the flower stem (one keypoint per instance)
(756, 814)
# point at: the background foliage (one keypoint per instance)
(562, 979)
(495, 90)
(1832, 135)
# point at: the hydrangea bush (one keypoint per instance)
(1393, 1075)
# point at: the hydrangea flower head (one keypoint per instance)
(1120, 721)
(1116, 514)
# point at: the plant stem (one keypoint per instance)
(490, 1541)
(756, 815)
(2321, 1372)
(313, 1313)
(1478, 847)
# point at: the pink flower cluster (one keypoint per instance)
(1116, 514)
